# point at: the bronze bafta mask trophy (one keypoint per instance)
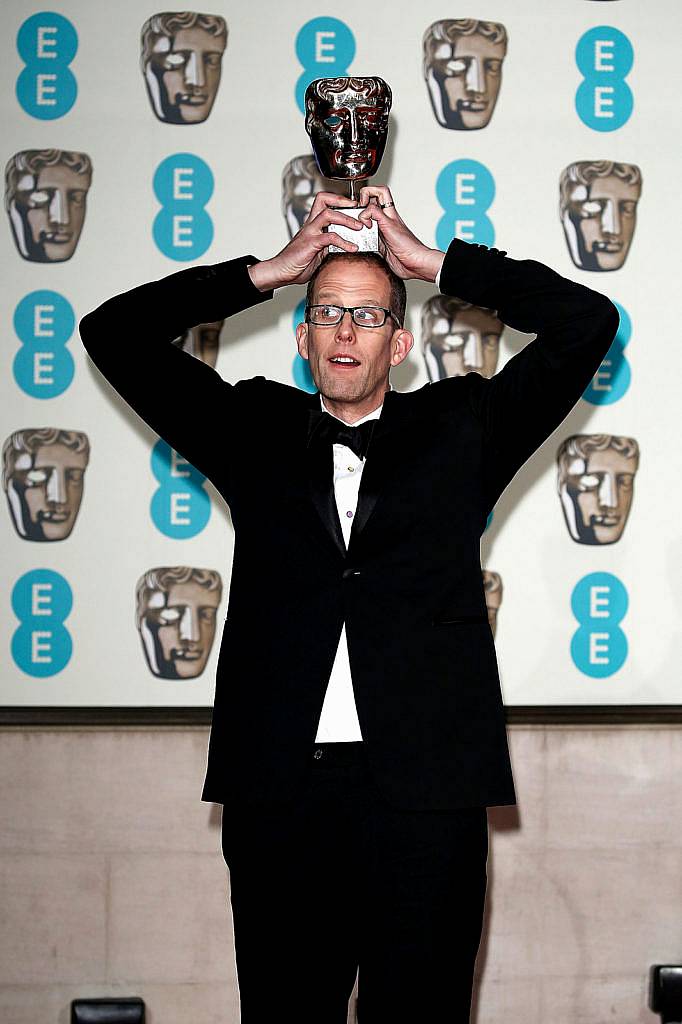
(347, 121)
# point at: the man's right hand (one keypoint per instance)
(298, 260)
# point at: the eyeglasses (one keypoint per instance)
(363, 316)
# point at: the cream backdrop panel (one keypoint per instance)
(254, 128)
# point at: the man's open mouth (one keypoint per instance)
(344, 361)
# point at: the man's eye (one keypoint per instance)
(77, 196)
(40, 198)
(76, 475)
(329, 310)
(589, 481)
(333, 121)
(212, 59)
(629, 206)
(491, 340)
(591, 208)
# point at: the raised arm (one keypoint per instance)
(519, 407)
(532, 394)
(129, 338)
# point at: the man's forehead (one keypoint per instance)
(353, 278)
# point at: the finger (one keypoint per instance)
(331, 238)
(381, 193)
(324, 199)
(330, 216)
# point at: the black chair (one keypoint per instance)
(107, 1011)
(665, 992)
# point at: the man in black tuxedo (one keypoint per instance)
(358, 731)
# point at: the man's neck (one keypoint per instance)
(351, 412)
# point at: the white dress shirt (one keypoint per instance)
(339, 717)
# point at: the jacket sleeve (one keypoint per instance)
(520, 406)
(184, 400)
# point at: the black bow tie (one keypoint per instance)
(326, 428)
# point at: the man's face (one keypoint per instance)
(187, 69)
(374, 349)
(45, 491)
(467, 340)
(603, 215)
(597, 495)
(348, 134)
(464, 79)
(51, 211)
(182, 625)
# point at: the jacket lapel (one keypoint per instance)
(384, 453)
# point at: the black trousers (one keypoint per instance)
(340, 883)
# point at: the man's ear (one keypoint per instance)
(302, 340)
(401, 344)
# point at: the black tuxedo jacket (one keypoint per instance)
(409, 587)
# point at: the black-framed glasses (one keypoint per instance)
(326, 315)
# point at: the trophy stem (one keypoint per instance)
(353, 189)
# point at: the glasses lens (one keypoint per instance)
(325, 314)
(369, 316)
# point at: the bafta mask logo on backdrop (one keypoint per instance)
(492, 585)
(458, 337)
(595, 481)
(181, 60)
(202, 341)
(43, 472)
(463, 70)
(301, 180)
(598, 211)
(45, 194)
(176, 616)
(347, 121)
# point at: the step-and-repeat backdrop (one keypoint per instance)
(137, 141)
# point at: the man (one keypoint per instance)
(358, 729)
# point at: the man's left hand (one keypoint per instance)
(402, 250)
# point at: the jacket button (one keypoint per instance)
(350, 572)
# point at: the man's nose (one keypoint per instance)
(474, 76)
(473, 351)
(607, 491)
(610, 220)
(59, 208)
(194, 70)
(346, 327)
(56, 488)
(189, 624)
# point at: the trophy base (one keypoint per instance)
(366, 240)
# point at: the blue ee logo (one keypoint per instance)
(599, 646)
(43, 366)
(604, 57)
(46, 87)
(612, 379)
(180, 507)
(183, 184)
(42, 644)
(325, 47)
(465, 189)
